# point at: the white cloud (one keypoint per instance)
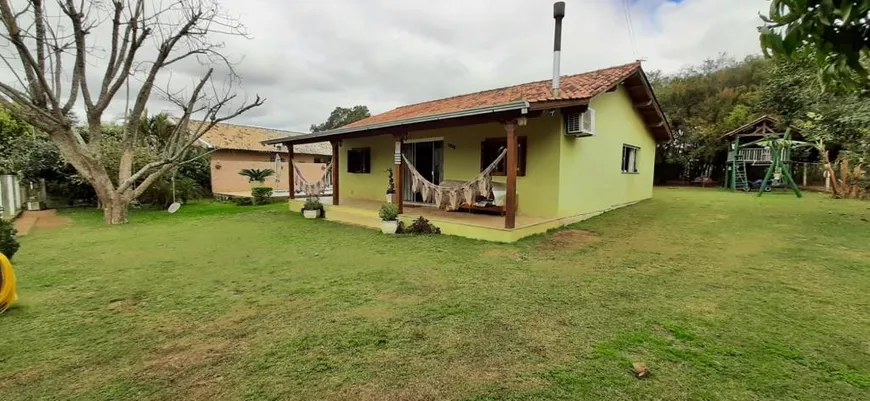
(308, 56)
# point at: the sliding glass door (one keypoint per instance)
(428, 158)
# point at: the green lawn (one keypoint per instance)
(724, 296)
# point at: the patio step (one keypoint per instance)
(360, 217)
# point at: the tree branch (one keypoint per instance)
(39, 88)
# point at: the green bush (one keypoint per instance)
(312, 203)
(389, 212)
(262, 195)
(242, 201)
(421, 226)
(8, 238)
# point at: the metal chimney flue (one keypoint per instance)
(558, 14)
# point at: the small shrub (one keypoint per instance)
(262, 195)
(242, 201)
(312, 203)
(421, 226)
(8, 238)
(389, 212)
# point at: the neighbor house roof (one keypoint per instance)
(761, 126)
(243, 137)
(575, 90)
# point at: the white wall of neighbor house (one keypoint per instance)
(10, 195)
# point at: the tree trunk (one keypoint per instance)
(115, 211)
(113, 203)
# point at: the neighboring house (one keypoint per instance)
(237, 147)
(578, 151)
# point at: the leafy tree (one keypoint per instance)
(12, 132)
(256, 175)
(342, 116)
(837, 31)
(840, 118)
(702, 102)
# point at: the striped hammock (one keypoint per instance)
(450, 197)
(315, 188)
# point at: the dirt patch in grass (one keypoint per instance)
(568, 239)
(186, 353)
(193, 366)
(372, 312)
(501, 253)
(39, 219)
(22, 377)
(51, 220)
(123, 305)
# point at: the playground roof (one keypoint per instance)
(761, 127)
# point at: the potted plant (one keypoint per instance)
(256, 176)
(312, 208)
(389, 214)
(391, 186)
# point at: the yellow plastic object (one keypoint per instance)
(7, 284)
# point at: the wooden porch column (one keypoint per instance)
(397, 173)
(291, 171)
(336, 146)
(511, 167)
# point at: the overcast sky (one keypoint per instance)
(309, 56)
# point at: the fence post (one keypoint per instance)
(805, 174)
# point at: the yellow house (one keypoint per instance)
(548, 157)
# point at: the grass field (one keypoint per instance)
(724, 296)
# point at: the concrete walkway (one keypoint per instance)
(41, 218)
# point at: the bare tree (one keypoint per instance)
(145, 40)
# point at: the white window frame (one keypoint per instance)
(633, 157)
(585, 120)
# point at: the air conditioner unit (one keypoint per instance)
(580, 125)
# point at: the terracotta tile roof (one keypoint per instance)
(579, 86)
(242, 137)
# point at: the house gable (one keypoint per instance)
(591, 179)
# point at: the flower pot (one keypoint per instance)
(389, 198)
(310, 214)
(389, 226)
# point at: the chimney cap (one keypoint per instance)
(559, 10)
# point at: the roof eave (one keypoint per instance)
(522, 106)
